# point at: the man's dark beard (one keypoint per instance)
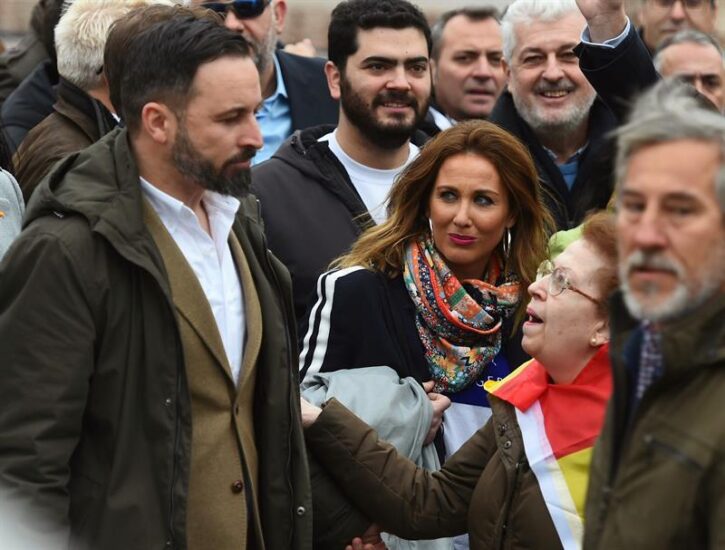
(191, 164)
(361, 115)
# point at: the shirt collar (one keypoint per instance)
(575, 157)
(281, 89)
(441, 120)
(171, 210)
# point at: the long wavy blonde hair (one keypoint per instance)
(382, 248)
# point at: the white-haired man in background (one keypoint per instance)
(551, 106)
(83, 112)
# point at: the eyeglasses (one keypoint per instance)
(558, 280)
(243, 9)
(687, 4)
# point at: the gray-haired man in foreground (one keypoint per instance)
(658, 473)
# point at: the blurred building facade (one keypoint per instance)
(307, 18)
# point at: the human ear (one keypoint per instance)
(506, 68)
(600, 333)
(158, 122)
(279, 14)
(333, 79)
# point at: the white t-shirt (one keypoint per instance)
(372, 185)
(211, 260)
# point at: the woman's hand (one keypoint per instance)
(440, 403)
(309, 413)
(369, 540)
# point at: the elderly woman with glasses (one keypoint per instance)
(520, 481)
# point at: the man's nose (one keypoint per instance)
(677, 11)
(232, 22)
(553, 70)
(648, 233)
(252, 135)
(399, 79)
(482, 68)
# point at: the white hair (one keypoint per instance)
(528, 11)
(81, 33)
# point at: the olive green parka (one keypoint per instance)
(657, 480)
(95, 421)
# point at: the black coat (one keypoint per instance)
(618, 74)
(29, 103)
(594, 182)
(311, 210)
(310, 101)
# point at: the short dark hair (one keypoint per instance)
(160, 62)
(469, 12)
(351, 15)
(126, 28)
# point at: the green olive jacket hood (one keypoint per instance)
(95, 428)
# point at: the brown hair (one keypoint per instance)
(383, 247)
(599, 231)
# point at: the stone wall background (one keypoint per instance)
(307, 18)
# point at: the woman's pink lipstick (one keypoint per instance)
(461, 240)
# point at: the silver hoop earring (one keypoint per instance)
(430, 224)
(507, 243)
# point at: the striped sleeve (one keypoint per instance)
(323, 330)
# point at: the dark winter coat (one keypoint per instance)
(77, 121)
(486, 488)
(309, 96)
(657, 479)
(594, 182)
(311, 210)
(29, 103)
(35, 47)
(617, 75)
(95, 427)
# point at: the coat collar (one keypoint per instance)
(689, 343)
(87, 113)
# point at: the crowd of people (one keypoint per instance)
(455, 286)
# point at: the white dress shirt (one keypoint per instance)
(211, 260)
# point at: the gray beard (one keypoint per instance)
(560, 129)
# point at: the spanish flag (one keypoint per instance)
(559, 424)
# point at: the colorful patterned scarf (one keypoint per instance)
(459, 322)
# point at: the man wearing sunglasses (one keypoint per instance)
(660, 19)
(294, 87)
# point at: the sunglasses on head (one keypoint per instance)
(243, 9)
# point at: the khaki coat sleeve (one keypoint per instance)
(392, 491)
